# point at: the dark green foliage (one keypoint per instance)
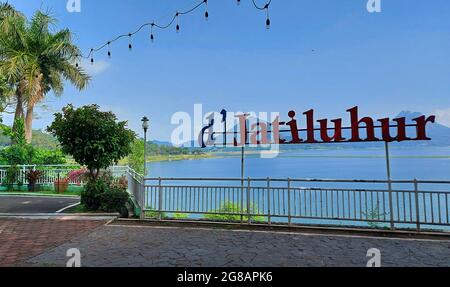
(114, 200)
(21, 153)
(12, 176)
(48, 157)
(155, 149)
(91, 195)
(230, 212)
(17, 155)
(94, 138)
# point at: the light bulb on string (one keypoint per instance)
(238, 2)
(206, 12)
(268, 18)
(109, 50)
(178, 24)
(92, 56)
(152, 38)
(130, 47)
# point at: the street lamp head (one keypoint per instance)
(145, 123)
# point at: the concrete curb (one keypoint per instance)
(44, 216)
(301, 229)
(12, 194)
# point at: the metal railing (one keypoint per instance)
(379, 203)
(51, 173)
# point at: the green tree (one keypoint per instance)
(136, 157)
(36, 61)
(94, 138)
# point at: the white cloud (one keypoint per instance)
(443, 116)
(95, 69)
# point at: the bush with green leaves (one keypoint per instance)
(21, 153)
(91, 196)
(94, 139)
(230, 212)
(114, 200)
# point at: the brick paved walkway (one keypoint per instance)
(24, 238)
(187, 247)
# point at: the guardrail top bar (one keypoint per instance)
(299, 180)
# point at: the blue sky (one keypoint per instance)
(329, 55)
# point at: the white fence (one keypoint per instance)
(52, 173)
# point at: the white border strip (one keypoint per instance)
(68, 207)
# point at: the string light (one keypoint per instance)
(109, 50)
(152, 38)
(130, 47)
(206, 12)
(174, 19)
(268, 18)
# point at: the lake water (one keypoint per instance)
(423, 163)
(420, 163)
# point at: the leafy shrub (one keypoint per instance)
(91, 196)
(121, 184)
(17, 155)
(33, 176)
(12, 176)
(48, 157)
(78, 175)
(114, 200)
(230, 211)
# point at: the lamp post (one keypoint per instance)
(145, 126)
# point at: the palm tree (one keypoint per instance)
(36, 60)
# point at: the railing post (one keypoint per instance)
(160, 199)
(416, 193)
(289, 203)
(391, 205)
(142, 193)
(249, 219)
(242, 200)
(268, 201)
(388, 170)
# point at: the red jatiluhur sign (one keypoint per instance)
(317, 131)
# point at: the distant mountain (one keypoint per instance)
(41, 139)
(439, 134)
(162, 143)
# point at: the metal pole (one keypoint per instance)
(289, 203)
(416, 191)
(242, 183)
(388, 169)
(249, 207)
(160, 199)
(145, 153)
(243, 162)
(268, 201)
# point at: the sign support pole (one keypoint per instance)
(243, 162)
(388, 169)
